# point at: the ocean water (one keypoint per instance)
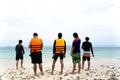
(8, 53)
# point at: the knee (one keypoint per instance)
(61, 63)
(54, 62)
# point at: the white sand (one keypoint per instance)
(100, 70)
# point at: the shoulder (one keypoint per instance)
(63, 39)
(59, 39)
(56, 39)
(83, 42)
(16, 45)
(76, 39)
(32, 39)
(89, 42)
(21, 45)
(39, 39)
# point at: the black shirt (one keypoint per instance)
(19, 49)
(87, 46)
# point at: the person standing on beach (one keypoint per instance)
(36, 45)
(19, 54)
(59, 50)
(86, 46)
(75, 53)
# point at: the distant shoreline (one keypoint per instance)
(67, 46)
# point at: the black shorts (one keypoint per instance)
(84, 58)
(61, 55)
(36, 57)
(19, 57)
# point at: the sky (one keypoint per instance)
(97, 19)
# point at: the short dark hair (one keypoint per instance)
(75, 34)
(59, 35)
(35, 34)
(20, 41)
(86, 38)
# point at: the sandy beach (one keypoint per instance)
(100, 70)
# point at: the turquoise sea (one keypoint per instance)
(8, 53)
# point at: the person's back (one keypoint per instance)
(19, 49)
(87, 47)
(35, 46)
(75, 53)
(19, 54)
(59, 50)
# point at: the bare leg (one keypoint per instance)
(74, 66)
(79, 66)
(41, 68)
(82, 64)
(62, 65)
(53, 66)
(88, 65)
(17, 64)
(21, 63)
(35, 69)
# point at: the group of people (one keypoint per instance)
(59, 51)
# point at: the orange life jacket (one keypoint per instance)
(36, 45)
(59, 46)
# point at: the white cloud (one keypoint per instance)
(48, 17)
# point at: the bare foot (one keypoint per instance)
(22, 67)
(51, 73)
(60, 72)
(72, 73)
(42, 73)
(88, 69)
(17, 68)
(35, 74)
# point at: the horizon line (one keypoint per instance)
(66, 46)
